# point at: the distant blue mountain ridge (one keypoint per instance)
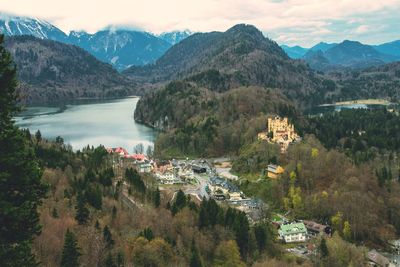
(124, 48)
(347, 54)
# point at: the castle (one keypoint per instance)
(280, 131)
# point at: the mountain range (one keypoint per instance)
(120, 48)
(347, 54)
(51, 71)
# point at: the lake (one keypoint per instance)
(109, 123)
(324, 109)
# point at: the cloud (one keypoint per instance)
(302, 21)
(362, 29)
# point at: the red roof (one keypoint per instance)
(118, 150)
(139, 156)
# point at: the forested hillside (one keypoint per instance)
(241, 56)
(376, 82)
(198, 121)
(50, 71)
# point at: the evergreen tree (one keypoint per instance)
(108, 236)
(147, 233)
(21, 189)
(38, 136)
(241, 229)
(82, 212)
(180, 202)
(70, 254)
(97, 225)
(195, 259)
(54, 213)
(93, 195)
(261, 234)
(157, 198)
(323, 248)
(114, 212)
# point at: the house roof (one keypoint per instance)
(314, 226)
(293, 228)
(275, 168)
(378, 258)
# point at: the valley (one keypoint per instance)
(121, 147)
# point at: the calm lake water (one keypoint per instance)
(109, 123)
(324, 109)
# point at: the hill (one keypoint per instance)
(241, 56)
(322, 46)
(53, 71)
(348, 54)
(375, 82)
(198, 121)
(294, 52)
(391, 48)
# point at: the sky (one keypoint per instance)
(292, 22)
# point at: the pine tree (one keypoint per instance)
(157, 198)
(54, 213)
(147, 233)
(70, 254)
(114, 212)
(38, 136)
(195, 259)
(261, 234)
(82, 212)
(108, 236)
(21, 189)
(323, 248)
(179, 203)
(97, 225)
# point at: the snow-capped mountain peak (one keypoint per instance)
(14, 25)
(175, 37)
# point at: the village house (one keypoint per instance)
(144, 167)
(314, 228)
(279, 131)
(122, 152)
(223, 189)
(274, 171)
(167, 178)
(199, 169)
(293, 232)
(377, 259)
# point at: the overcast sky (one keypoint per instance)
(302, 22)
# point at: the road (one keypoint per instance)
(199, 190)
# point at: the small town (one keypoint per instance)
(211, 178)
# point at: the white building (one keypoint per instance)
(293, 232)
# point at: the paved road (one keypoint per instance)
(200, 189)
